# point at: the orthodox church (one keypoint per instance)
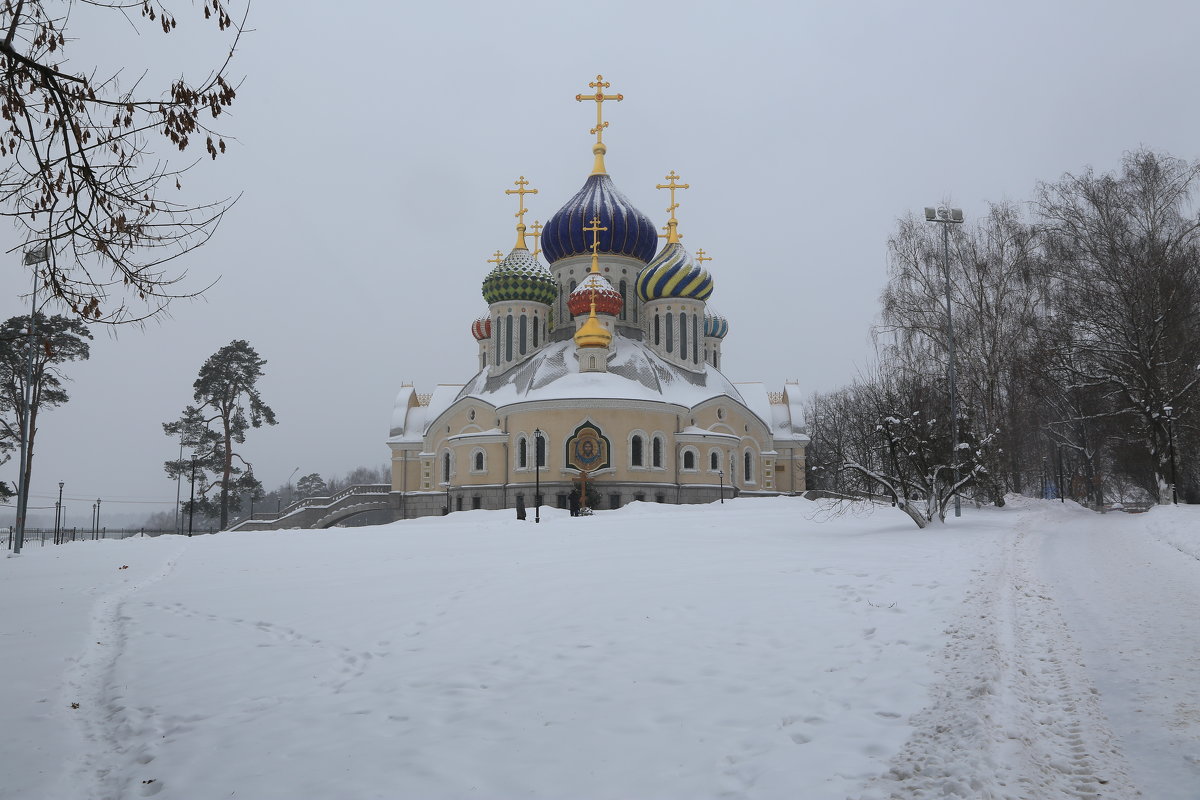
(599, 373)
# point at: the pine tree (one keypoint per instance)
(228, 404)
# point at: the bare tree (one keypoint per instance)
(77, 170)
(1124, 250)
(996, 293)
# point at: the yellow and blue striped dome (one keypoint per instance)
(715, 325)
(629, 231)
(520, 277)
(672, 274)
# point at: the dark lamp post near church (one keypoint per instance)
(1171, 449)
(949, 216)
(537, 474)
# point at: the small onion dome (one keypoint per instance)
(630, 232)
(592, 334)
(482, 328)
(673, 275)
(608, 299)
(520, 277)
(715, 325)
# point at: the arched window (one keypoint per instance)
(497, 334)
(592, 362)
(621, 287)
(483, 360)
(540, 448)
(747, 470)
(477, 461)
(657, 330)
(689, 459)
(656, 457)
(446, 467)
(670, 334)
(683, 335)
(524, 329)
(636, 458)
(714, 461)
(508, 336)
(535, 331)
(522, 453)
(695, 339)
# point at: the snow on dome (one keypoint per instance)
(715, 325)
(672, 274)
(482, 328)
(520, 276)
(608, 299)
(630, 232)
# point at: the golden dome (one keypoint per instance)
(592, 333)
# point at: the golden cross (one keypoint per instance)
(521, 191)
(595, 231)
(599, 85)
(536, 229)
(667, 235)
(672, 185)
(497, 258)
(702, 258)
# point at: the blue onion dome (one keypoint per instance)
(673, 275)
(518, 277)
(715, 325)
(630, 232)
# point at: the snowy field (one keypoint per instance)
(756, 649)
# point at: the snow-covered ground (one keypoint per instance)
(755, 649)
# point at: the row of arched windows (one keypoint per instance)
(637, 457)
(665, 327)
(514, 336)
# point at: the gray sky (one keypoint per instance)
(374, 143)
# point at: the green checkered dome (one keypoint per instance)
(520, 277)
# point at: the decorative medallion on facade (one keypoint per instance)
(588, 449)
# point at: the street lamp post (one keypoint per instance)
(97, 518)
(1171, 449)
(949, 216)
(192, 501)
(58, 516)
(721, 478)
(31, 257)
(537, 474)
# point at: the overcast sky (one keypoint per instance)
(372, 144)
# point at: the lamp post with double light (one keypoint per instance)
(1171, 450)
(949, 216)
(31, 258)
(538, 449)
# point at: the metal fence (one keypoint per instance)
(40, 537)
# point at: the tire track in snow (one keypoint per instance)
(106, 726)
(1014, 716)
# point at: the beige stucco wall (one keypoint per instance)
(470, 427)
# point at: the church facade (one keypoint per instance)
(599, 368)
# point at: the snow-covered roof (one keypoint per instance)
(410, 420)
(635, 372)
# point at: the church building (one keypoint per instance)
(599, 367)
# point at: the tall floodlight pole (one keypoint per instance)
(949, 216)
(31, 258)
(192, 502)
(178, 485)
(537, 474)
(58, 516)
(1171, 449)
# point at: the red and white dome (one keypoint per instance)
(608, 299)
(482, 328)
